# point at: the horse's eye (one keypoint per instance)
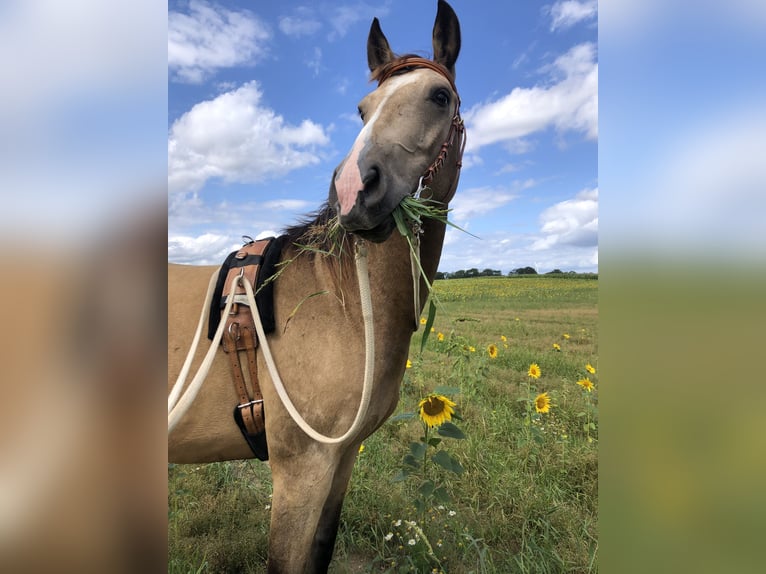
(441, 97)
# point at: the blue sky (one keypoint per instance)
(262, 104)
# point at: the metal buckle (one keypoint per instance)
(249, 404)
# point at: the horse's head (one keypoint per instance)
(412, 133)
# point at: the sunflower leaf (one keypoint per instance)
(450, 430)
(401, 475)
(441, 495)
(418, 449)
(433, 441)
(402, 417)
(429, 324)
(443, 459)
(410, 460)
(426, 489)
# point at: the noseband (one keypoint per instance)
(457, 128)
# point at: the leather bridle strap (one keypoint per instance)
(457, 127)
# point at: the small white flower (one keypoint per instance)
(389, 536)
(398, 522)
(452, 513)
(268, 507)
(440, 507)
(411, 542)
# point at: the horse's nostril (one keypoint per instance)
(371, 176)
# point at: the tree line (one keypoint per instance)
(474, 272)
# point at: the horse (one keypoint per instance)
(409, 142)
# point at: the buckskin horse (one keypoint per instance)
(411, 141)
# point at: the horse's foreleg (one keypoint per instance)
(306, 504)
(327, 528)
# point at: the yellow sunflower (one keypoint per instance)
(542, 403)
(556, 347)
(409, 364)
(423, 321)
(534, 371)
(566, 335)
(586, 384)
(435, 410)
(440, 336)
(590, 369)
(503, 338)
(492, 351)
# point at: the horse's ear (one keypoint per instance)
(378, 50)
(446, 40)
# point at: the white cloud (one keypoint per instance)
(507, 251)
(567, 13)
(314, 62)
(206, 249)
(478, 201)
(302, 24)
(236, 138)
(343, 17)
(572, 222)
(570, 103)
(287, 204)
(210, 37)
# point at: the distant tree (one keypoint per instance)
(555, 271)
(490, 272)
(525, 271)
(459, 274)
(472, 272)
(440, 275)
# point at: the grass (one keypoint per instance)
(527, 501)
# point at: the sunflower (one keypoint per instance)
(423, 321)
(590, 369)
(534, 371)
(503, 338)
(566, 335)
(435, 410)
(586, 384)
(409, 364)
(542, 403)
(440, 336)
(556, 347)
(492, 351)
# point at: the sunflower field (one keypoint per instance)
(489, 464)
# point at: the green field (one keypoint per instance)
(523, 495)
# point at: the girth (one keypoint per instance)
(240, 342)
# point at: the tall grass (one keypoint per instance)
(527, 501)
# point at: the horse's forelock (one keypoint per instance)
(381, 72)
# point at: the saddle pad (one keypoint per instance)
(265, 296)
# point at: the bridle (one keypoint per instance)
(457, 127)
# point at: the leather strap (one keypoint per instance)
(250, 406)
(240, 341)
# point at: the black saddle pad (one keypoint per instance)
(265, 296)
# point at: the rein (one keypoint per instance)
(179, 403)
(457, 128)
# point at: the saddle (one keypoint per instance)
(256, 261)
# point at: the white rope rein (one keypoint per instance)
(176, 411)
(178, 404)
